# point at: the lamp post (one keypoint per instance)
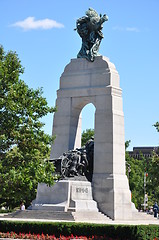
(129, 169)
(145, 194)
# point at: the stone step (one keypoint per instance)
(88, 216)
(38, 214)
(71, 209)
(91, 217)
(143, 216)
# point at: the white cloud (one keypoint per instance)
(132, 29)
(128, 29)
(117, 28)
(30, 23)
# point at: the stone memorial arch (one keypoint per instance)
(90, 78)
(97, 82)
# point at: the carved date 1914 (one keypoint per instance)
(82, 190)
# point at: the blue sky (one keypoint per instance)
(41, 32)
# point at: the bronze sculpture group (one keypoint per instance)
(89, 28)
(77, 162)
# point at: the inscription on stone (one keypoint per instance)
(81, 190)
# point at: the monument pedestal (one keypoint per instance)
(65, 195)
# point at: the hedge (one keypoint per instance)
(123, 232)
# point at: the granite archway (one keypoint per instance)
(97, 82)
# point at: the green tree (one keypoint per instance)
(135, 172)
(154, 177)
(23, 144)
(86, 135)
(154, 173)
(136, 180)
(140, 168)
(157, 126)
(127, 144)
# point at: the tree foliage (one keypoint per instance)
(148, 167)
(136, 179)
(154, 178)
(157, 126)
(86, 135)
(23, 143)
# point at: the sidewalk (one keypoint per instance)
(150, 221)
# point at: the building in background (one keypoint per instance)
(147, 152)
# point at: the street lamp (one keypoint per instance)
(145, 194)
(129, 169)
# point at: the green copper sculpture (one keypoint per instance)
(89, 28)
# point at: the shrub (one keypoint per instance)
(121, 232)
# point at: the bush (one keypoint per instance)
(123, 232)
(6, 210)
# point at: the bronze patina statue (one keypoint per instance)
(89, 28)
(76, 163)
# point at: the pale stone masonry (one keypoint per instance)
(81, 83)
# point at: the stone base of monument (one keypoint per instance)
(65, 195)
(75, 198)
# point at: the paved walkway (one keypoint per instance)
(150, 221)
